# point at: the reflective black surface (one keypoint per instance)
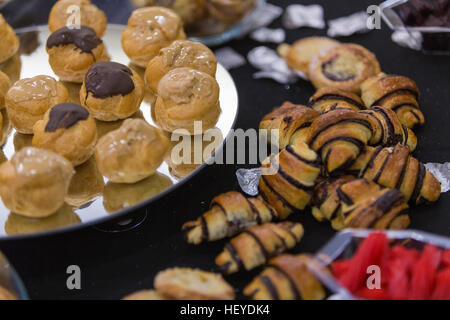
(114, 264)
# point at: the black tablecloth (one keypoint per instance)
(114, 264)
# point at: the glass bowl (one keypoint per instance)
(10, 280)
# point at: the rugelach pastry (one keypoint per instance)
(394, 167)
(185, 96)
(180, 53)
(256, 245)
(288, 179)
(67, 129)
(149, 30)
(192, 284)
(131, 153)
(387, 129)
(298, 55)
(329, 98)
(398, 93)
(344, 66)
(111, 91)
(64, 13)
(286, 277)
(338, 137)
(10, 42)
(229, 214)
(73, 51)
(34, 182)
(229, 11)
(292, 122)
(86, 184)
(359, 203)
(29, 99)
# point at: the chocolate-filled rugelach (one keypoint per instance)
(111, 91)
(256, 245)
(348, 202)
(180, 53)
(192, 284)
(131, 153)
(72, 51)
(229, 11)
(286, 277)
(344, 66)
(394, 167)
(186, 96)
(339, 136)
(229, 214)
(292, 122)
(329, 98)
(66, 12)
(10, 42)
(34, 182)
(298, 55)
(387, 129)
(394, 92)
(149, 30)
(288, 179)
(29, 99)
(67, 129)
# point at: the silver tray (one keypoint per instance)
(94, 212)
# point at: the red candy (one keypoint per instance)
(405, 273)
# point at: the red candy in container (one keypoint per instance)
(385, 265)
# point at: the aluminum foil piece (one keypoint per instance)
(229, 58)
(407, 39)
(248, 180)
(271, 65)
(442, 172)
(346, 26)
(298, 15)
(269, 35)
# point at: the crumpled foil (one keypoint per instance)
(229, 58)
(346, 26)
(272, 66)
(407, 39)
(248, 180)
(298, 15)
(269, 35)
(442, 172)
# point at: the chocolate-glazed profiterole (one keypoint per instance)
(185, 96)
(149, 30)
(73, 51)
(229, 11)
(91, 16)
(131, 153)
(34, 182)
(181, 53)
(343, 66)
(67, 129)
(10, 42)
(111, 91)
(29, 99)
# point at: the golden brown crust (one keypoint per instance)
(286, 277)
(10, 42)
(329, 98)
(230, 213)
(6, 295)
(394, 92)
(5, 84)
(301, 52)
(289, 187)
(12, 67)
(339, 136)
(344, 66)
(145, 295)
(292, 122)
(256, 245)
(192, 284)
(90, 15)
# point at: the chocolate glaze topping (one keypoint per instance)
(65, 115)
(84, 38)
(107, 79)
